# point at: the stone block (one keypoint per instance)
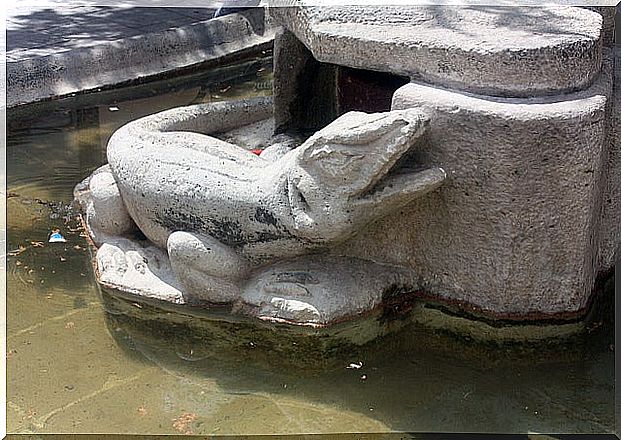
(514, 230)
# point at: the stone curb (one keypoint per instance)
(136, 57)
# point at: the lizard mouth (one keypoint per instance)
(405, 162)
(405, 166)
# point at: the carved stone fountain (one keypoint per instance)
(462, 156)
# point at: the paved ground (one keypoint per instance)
(55, 49)
(51, 28)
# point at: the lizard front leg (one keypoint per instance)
(207, 269)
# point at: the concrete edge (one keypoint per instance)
(134, 58)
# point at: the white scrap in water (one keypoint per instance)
(355, 366)
(113, 109)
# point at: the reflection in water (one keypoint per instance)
(80, 360)
(412, 379)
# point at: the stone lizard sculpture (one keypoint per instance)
(221, 211)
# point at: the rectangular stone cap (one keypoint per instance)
(493, 50)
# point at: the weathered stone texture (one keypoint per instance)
(512, 230)
(531, 199)
(608, 23)
(610, 239)
(501, 51)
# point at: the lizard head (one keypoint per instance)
(343, 163)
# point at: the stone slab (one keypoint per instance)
(314, 292)
(501, 51)
(376, 317)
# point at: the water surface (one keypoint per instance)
(82, 362)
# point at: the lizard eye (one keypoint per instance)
(335, 162)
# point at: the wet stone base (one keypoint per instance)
(407, 326)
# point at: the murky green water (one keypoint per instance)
(79, 362)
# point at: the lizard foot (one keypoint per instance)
(208, 270)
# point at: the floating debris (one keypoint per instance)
(354, 366)
(17, 251)
(181, 423)
(29, 414)
(113, 109)
(37, 244)
(56, 237)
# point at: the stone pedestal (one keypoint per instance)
(482, 175)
